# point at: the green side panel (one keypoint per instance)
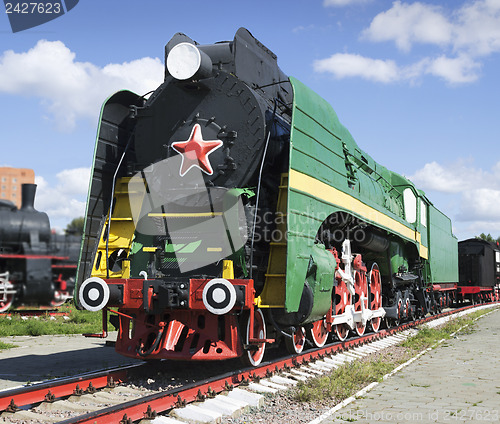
(443, 248)
(332, 173)
(323, 149)
(320, 279)
(316, 150)
(397, 257)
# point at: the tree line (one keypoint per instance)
(488, 237)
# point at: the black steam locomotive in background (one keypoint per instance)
(37, 267)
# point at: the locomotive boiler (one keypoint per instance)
(36, 267)
(230, 211)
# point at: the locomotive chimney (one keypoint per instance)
(28, 196)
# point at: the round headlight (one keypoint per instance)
(185, 61)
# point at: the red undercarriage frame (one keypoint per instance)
(194, 333)
(477, 293)
(452, 293)
(191, 333)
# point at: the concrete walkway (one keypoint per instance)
(457, 382)
(43, 357)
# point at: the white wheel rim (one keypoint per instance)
(262, 335)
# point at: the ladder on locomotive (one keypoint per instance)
(121, 231)
(273, 294)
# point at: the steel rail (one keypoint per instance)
(13, 399)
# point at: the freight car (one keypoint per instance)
(231, 211)
(479, 271)
(37, 267)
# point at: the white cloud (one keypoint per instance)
(66, 200)
(477, 193)
(68, 89)
(343, 65)
(480, 204)
(463, 37)
(477, 28)
(461, 69)
(74, 181)
(454, 178)
(452, 70)
(434, 176)
(342, 3)
(473, 29)
(406, 24)
(474, 228)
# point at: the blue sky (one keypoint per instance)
(416, 83)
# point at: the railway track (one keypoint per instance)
(105, 397)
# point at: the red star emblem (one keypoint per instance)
(195, 151)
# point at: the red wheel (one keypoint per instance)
(342, 299)
(361, 298)
(341, 331)
(318, 333)
(60, 297)
(375, 296)
(253, 357)
(6, 302)
(400, 312)
(407, 308)
(295, 344)
(6, 295)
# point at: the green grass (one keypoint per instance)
(343, 381)
(77, 322)
(4, 346)
(350, 378)
(427, 337)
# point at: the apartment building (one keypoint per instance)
(10, 183)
